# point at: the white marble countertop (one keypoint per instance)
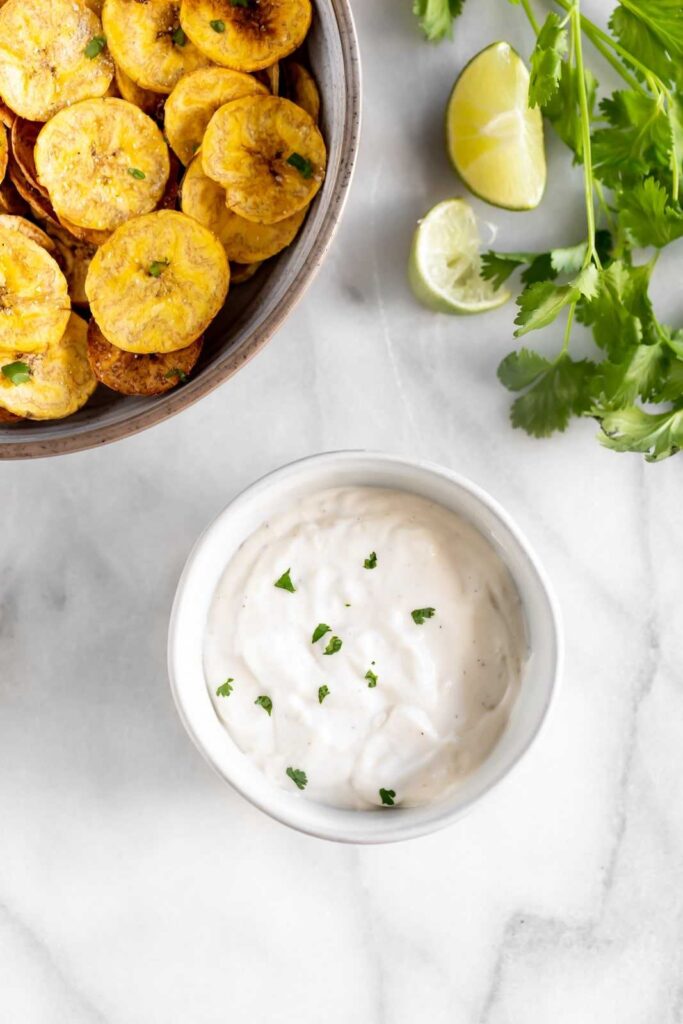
(135, 888)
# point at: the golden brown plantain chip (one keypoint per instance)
(30, 230)
(150, 103)
(60, 379)
(9, 417)
(4, 152)
(243, 240)
(102, 162)
(74, 258)
(268, 155)
(195, 100)
(39, 204)
(253, 35)
(86, 235)
(240, 273)
(147, 41)
(10, 200)
(299, 87)
(50, 56)
(158, 282)
(132, 374)
(24, 136)
(34, 301)
(270, 77)
(7, 116)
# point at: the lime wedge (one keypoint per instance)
(495, 139)
(444, 268)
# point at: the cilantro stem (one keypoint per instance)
(591, 253)
(601, 41)
(531, 16)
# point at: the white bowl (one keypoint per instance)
(205, 567)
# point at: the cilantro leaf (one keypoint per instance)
(301, 164)
(387, 796)
(638, 40)
(420, 614)
(285, 582)
(498, 266)
(266, 703)
(157, 267)
(671, 384)
(546, 61)
(176, 374)
(334, 645)
(218, 25)
(618, 385)
(437, 16)
(648, 215)
(94, 47)
(656, 435)
(620, 313)
(298, 777)
(178, 36)
(320, 631)
(371, 561)
(541, 303)
(17, 372)
(520, 369)
(563, 109)
(638, 138)
(663, 19)
(323, 692)
(225, 689)
(371, 678)
(558, 393)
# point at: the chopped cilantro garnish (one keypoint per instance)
(387, 796)
(135, 172)
(175, 372)
(298, 777)
(17, 373)
(333, 646)
(420, 614)
(266, 703)
(371, 678)
(301, 164)
(323, 692)
(225, 689)
(371, 561)
(217, 25)
(179, 37)
(319, 632)
(285, 582)
(94, 47)
(157, 267)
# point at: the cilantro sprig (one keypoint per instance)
(629, 145)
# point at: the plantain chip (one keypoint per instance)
(4, 152)
(24, 136)
(254, 35)
(60, 382)
(95, 5)
(44, 56)
(270, 77)
(74, 258)
(300, 88)
(243, 240)
(132, 374)
(87, 235)
(10, 200)
(147, 41)
(268, 155)
(9, 417)
(240, 273)
(158, 282)
(30, 230)
(150, 103)
(34, 301)
(195, 100)
(7, 116)
(39, 204)
(102, 162)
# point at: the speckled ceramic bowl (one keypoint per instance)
(256, 309)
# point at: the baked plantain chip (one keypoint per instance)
(195, 100)
(87, 235)
(74, 258)
(147, 41)
(24, 136)
(51, 55)
(7, 116)
(150, 103)
(56, 382)
(299, 87)
(243, 240)
(240, 273)
(38, 203)
(10, 200)
(34, 301)
(270, 77)
(249, 35)
(8, 417)
(268, 155)
(102, 162)
(30, 230)
(132, 374)
(4, 152)
(158, 282)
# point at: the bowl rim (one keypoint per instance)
(346, 826)
(183, 398)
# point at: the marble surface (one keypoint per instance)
(135, 888)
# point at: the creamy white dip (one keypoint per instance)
(444, 685)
